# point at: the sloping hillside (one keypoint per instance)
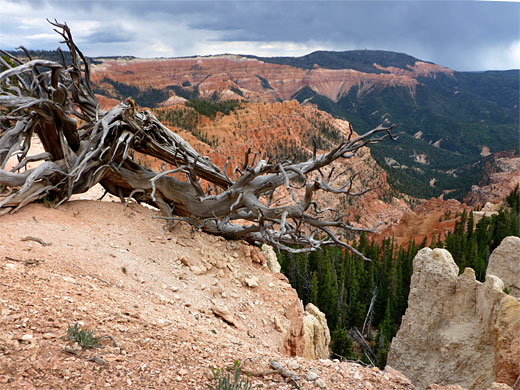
(288, 130)
(448, 119)
(501, 175)
(116, 271)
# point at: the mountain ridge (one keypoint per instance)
(447, 119)
(361, 60)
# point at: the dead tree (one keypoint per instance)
(85, 145)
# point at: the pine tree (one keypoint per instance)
(328, 291)
(342, 344)
(384, 336)
(470, 225)
(314, 289)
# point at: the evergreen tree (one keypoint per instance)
(314, 289)
(342, 344)
(341, 285)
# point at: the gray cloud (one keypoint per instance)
(109, 36)
(464, 35)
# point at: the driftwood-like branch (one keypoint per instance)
(37, 239)
(276, 369)
(49, 100)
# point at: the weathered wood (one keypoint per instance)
(49, 103)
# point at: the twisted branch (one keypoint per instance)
(47, 100)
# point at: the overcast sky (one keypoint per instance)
(463, 35)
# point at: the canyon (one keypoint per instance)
(186, 301)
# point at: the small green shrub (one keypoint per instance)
(224, 381)
(84, 337)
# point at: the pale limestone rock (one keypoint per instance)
(224, 313)
(317, 334)
(504, 262)
(272, 260)
(499, 386)
(391, 371)
(507, 341)
(281, 325)
(251, 281)
(198, 267)
(493, 386)
(321, 383)
(456, 330)
(172, 100)
(305, 333)
(257, 256)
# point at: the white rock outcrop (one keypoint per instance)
(305, 332)
(504, 262)
(271, 259)
(456, 330)
(316, 333)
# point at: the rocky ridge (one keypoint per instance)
(456, 330)
(239, 77)
(175, 303)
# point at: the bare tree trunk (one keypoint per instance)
(50, 100)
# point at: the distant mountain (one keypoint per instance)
(448, 121)
(361, 60)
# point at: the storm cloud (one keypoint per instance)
(463, 35)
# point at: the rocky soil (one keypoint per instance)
(171, 305)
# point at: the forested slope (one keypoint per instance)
(343, 287)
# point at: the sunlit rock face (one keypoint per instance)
(504, 262)
(456, 330)
(232, 76)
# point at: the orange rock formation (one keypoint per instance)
(257, 80)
